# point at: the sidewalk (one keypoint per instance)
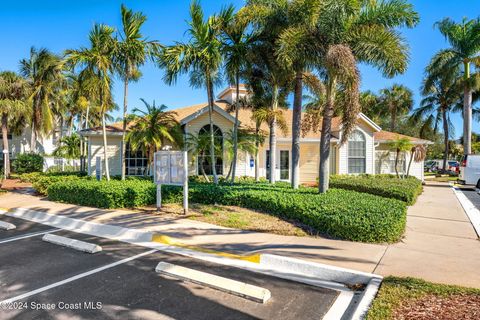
(440, 244)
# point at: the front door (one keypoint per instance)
(282, 165)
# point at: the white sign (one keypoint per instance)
(171, 168)
(98, 168)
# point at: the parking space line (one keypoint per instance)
(76, 277)
(28, 235)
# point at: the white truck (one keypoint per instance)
(470, 170)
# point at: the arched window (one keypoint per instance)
(203, 149)
(357, 152)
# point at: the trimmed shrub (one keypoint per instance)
(338, 213)
(384, 185)
(27, 162)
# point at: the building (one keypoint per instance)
(367, 150)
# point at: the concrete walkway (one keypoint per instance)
(440, 244)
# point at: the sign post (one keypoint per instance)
(98, 168)
(171, 168)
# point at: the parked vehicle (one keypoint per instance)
(437, 165)
(470, 169)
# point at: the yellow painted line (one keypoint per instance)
(255, 258)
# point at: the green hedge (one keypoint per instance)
(339, 213)
(27, 162)
(383, 185)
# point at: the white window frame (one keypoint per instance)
(353, 138)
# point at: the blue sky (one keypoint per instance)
(59, 25)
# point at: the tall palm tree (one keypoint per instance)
(13, 104)
(293, 25)
(236, 43)
(201, 56)
(98, 67)
(395, 101)
(43, 71)
(400, 146)
(132, 52)
(357, 31)
(464, 39)
(153, 128)
(442, 94)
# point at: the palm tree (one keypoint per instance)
(199, 146)
(132, 52)
(357, 32)
(236, 43)
(201, 56)
(400, 145)
(418, 153)
(98, 65)
(69, 147)
(43, 71)
(292, 27)
(246, 140)
(442, 94)
(13, 96)
(464, 40)
(394, 101)
(152, 129)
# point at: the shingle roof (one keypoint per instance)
(391, 136)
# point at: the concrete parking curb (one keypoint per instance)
(72, 243)
(6, 226)
(237, 288)
(472, 212)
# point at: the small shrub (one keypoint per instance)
(384, 185)
(27, 162)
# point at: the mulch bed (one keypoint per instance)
(433, 307)
(14, 184)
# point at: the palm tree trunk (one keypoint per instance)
(87, 120)
(296, 123)
(235, 126)
(105, 156)
(33, 138)
(6, 160)
(257, 155)
(445, 138)
(396, 162)
(412, 153)
(125, 97)
(212, 138)
(467, 113)
(273, 135)
(62, 124)
(202, 168)
(393, 120)
(324, 170)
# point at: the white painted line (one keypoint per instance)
(6, 226)
(72, 243)
(28, 235)
(237, 288)
(338, 308)
(78, 276)
(470, 209)
(295, 269)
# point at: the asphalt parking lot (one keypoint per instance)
(40, 280)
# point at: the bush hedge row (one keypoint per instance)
(339, 213)
(388, 186)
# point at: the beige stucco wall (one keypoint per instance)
(95, 149)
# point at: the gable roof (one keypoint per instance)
(186, 114)
(387, 136)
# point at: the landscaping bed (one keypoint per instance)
(409, 298)
(388, 186)
(342, 214)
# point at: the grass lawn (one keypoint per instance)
(244, 219)
(444, 179)
(409, 298)
(235, 217)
